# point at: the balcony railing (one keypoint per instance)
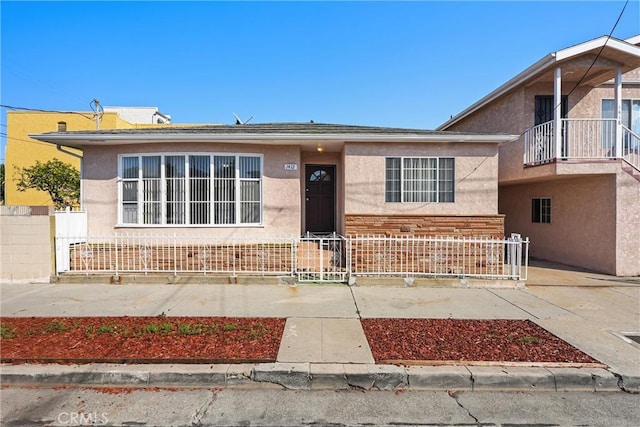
(631, 148)
(581, 139)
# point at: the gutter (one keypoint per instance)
(62, 150)
(299, 139)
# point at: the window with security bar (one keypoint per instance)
(419, 179)
(541, 210)
(190, 189)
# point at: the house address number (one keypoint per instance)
(290, 167)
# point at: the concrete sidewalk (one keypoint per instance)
(323, 345)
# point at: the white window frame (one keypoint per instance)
(437, 180)
(163, 199)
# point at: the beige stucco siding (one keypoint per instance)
(280, 187)
(504, 115)
(583, 220)
(513, 113)
(628, 225)
(589, 102)
(476, 172)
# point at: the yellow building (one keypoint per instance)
(22, 151)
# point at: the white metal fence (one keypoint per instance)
(137, 253)
(440, 257)
(310, 258)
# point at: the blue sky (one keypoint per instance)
(400, 64)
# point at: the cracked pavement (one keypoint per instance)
(276, 407)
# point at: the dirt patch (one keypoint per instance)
(140, 339)
(467, 340)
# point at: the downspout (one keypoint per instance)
(77, 156)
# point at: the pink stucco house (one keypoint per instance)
(259, 180)
(571, 181)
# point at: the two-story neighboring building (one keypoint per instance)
(571, 182)
(22, 151)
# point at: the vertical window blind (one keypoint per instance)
(191, 189)
(419, 179)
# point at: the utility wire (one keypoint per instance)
(596, 58)
(10, 107)
(601, 49)
(24, 140)
(572, 90)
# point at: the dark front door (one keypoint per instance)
(545, 108)
(320, 198)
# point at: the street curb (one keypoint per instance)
(317, 376)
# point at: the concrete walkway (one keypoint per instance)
(323, 345)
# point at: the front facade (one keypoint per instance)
(265, 180)
(571, 182)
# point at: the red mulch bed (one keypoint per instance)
(247, 340)
(140, 339)
(467, 340)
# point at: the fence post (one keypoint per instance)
(321, 242)
(347, 256)
(516, 242)
(175, 254)
(116, 244)
(294, 259)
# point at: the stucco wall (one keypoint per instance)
(281, 189)
(25, 248)
(513, 113)
(583, 220)
(504, 115)
(476, 174)
(628, 225)
(595, 218)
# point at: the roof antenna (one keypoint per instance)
(97, 108)
(239, 121)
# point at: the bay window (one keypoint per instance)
(190, 189)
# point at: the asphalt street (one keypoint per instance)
(270, 407)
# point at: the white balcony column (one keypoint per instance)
(557, 113)
(618, 98)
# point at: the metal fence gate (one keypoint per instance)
(321, 258)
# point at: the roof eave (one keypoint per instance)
(84, 140)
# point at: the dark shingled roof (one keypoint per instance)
(268, 128)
